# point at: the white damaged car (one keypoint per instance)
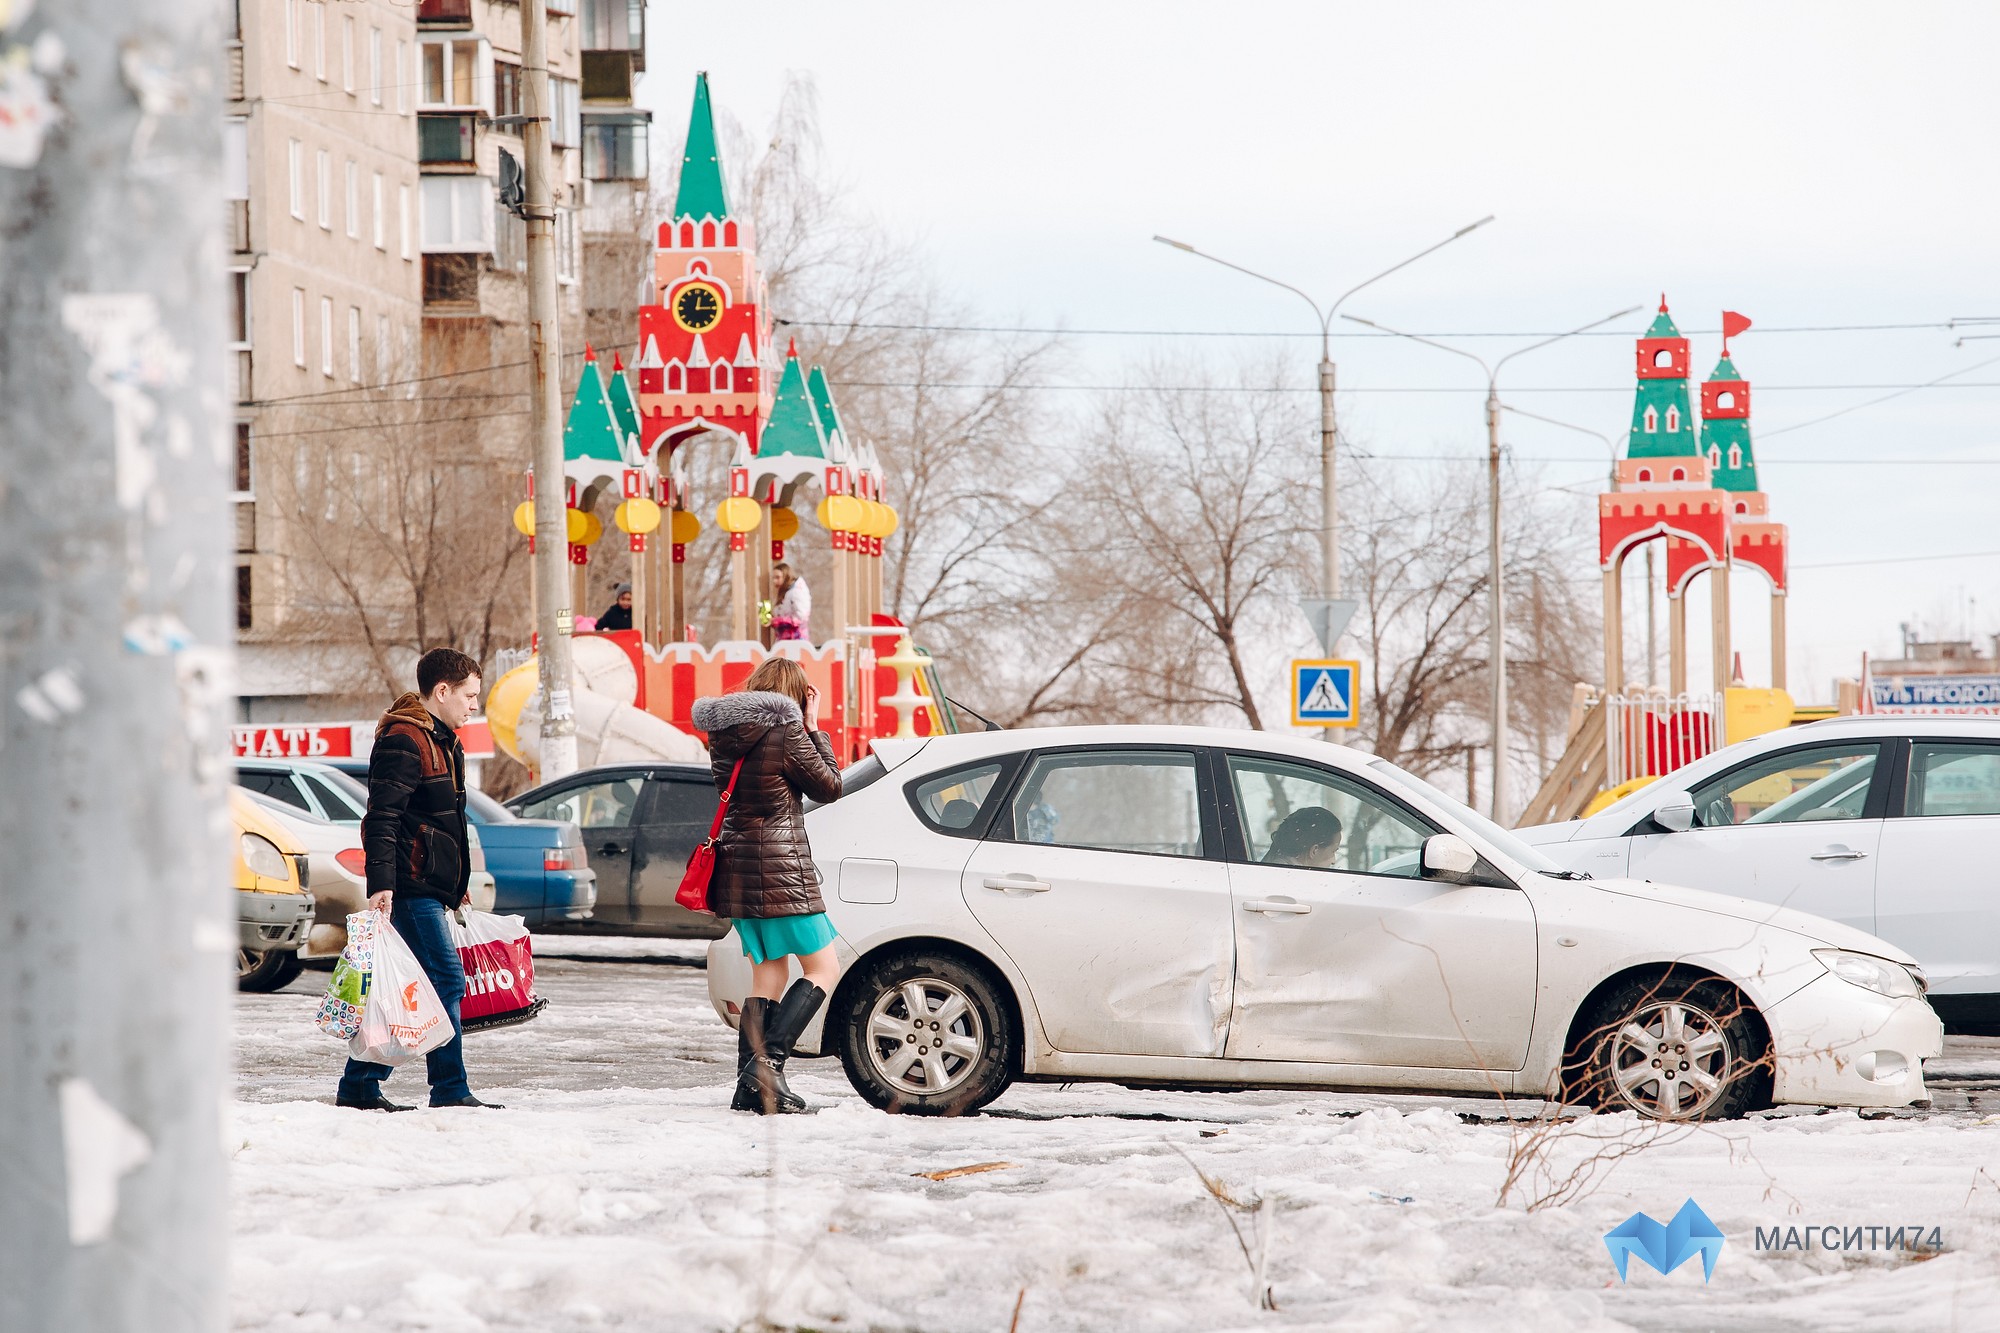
(1187, 906)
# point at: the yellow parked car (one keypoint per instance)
(274, 902)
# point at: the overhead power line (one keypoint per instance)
(858, 325)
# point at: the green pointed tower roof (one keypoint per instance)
(1663, 324)
(623, 404)
(702, 192)
(794, 429)
(1725, 369)
(822, 396)
(592, 430)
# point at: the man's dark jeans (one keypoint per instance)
(421, 923)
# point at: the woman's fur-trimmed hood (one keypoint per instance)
(762, 708)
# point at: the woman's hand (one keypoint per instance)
(812, 708)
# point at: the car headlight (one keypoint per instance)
(263, 857)
(1871, 973)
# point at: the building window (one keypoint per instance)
(236, 158)
(239, 307)
(458, 214)
(1725, 399)
(401, 75)
(403, 217)
(347, 53)
(719, 378)
(295, 165)
(614, 147)
(613, 25)
(451, 279)
(381, 349)
(1645, 474)
(299, 327)
(354, 343)
(319, 40)
(674, 378)
(353, 199)
(1652, 421)
(381, 236)
(244, 618)
(326, 336)
(243, 487)
(1663, 359)
(507, 90)
(291, 32)
(1714, 457)
(445, 138)
(1673, 420)
(566, 131)
(1736, 455)
(454, 72)
(324, 161)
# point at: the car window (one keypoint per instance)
(683, 810)
(334, 800)
(1297, 815)
(278, 786)
(1824, 782)
(485, 810)
(1952, 778)
(953, 802)
(1117, 801)
(607, 804)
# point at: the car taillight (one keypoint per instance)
(558, 858)
(354, 861)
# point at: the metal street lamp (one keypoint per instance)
(1329, 509)
(1495, 594)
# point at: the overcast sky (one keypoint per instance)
(1807, 165)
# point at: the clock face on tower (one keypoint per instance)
(697, 307)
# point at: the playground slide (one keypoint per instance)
(609, 728)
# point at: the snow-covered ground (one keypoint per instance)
(617, 1191)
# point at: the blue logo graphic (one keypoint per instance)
(1666, 1247)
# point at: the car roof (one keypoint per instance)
(1909, 724)
(612, 771)
(939, 751)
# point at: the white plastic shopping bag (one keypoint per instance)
(399, 1014)
(339, 1013)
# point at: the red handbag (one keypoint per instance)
(693, 892)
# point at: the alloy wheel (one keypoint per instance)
(924, 1036)
(1671, 1060)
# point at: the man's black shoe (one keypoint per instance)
(470, 1101)
(376, 1103)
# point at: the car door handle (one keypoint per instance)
(1839, 854)
(1004, 882)
(611, 849)
(1277, 906)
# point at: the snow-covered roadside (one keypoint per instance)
(617, 1191)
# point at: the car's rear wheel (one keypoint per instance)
(1673, 1050)
(926, 1033)
(273, 969)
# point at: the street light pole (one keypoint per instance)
(1329, 495)
(557, 752)
(1495, 589)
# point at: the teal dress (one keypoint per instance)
(765, 938)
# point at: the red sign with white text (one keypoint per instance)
(304, 741)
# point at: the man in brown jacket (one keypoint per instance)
(419, 856)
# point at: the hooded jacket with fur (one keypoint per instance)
(413, 835)
(764, 865)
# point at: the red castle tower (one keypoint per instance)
(702, 342)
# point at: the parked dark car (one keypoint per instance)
(540, 870)
(640, 822)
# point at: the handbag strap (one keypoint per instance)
(722, 806)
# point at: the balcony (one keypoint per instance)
(445, 12)
(608, 76)
(615, 25)
(442, 140)
(614, 146)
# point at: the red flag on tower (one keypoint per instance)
(1732, 324)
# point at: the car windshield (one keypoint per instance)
(285, 808)
(1503, 840)
(483, 809)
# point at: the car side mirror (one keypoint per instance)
(1449, 857)
(1675, 812)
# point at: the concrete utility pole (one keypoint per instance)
(554, 621)
(116, 927)
(1333, 614)
(1496, 591)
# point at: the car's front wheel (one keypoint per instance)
(926, 1033)
(273, 969)
(1673, 1049)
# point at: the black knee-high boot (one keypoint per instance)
(786, 1021)
(752, 1073)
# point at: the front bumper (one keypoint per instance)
(1836, 1044)
(267, 921)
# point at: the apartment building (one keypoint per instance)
(617, 245)
(376, 278)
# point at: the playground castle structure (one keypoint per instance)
(706, 372)
(1694, 488)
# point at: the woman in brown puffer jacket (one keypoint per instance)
(764, 879)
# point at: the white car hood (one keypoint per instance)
(1541, 835)
(1745, 909)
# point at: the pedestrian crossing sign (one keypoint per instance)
(1323, 692)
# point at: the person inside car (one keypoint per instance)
(1309, 836)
